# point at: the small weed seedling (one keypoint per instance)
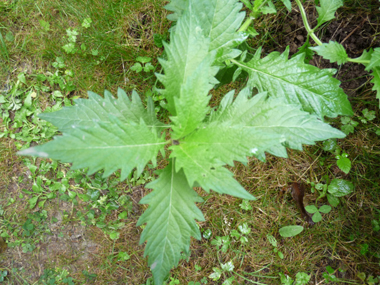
(3, 275)
(120, 133)
(302, 278)
(272, 240)
(143, 64)
(317, 217)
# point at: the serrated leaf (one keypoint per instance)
(293, 126)
(187, 50)
(344, 164)
(332, 51)
(220, 21)
(376, 82)
(170, 220)
(204, 152)
(89, 112)
(303, 84)
(375, 60)
(110, 146)
(192, 105)
(290, 231)
(285, 124)
(326, 11)
(210, 27)
(229, 266)
(178, 7)
(340, 187)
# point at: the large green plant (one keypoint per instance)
(111, 134)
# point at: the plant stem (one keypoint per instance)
(309, 30)
(246, 24)
(356, 60)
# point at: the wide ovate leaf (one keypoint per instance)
(109, 146)
(332, 51)
(170, 221)
(326, 11)
(88, 112)
(303, 84)
(340, 187)
(192, 105)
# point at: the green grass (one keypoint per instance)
(76, 237)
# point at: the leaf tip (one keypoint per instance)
(32, 151)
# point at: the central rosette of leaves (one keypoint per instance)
(111, 134)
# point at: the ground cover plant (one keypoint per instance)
(192, 139)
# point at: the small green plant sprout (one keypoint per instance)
(367, 116)
(218, 272)
(207, 234)
(245, 205)
(338, 188)
(56, 276)
(59, 63)
(317, 217)
(108, 133)
(222, 243)
(44, 25)
(70, 47)
(144, 63)
(86, 23)
(272, 240)
(173, 281)
(348, 125)
(3, 275)
(330, 276)
(244, 229)
(290, 231)
(343, 162)
(302, 278)
(370, 280)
